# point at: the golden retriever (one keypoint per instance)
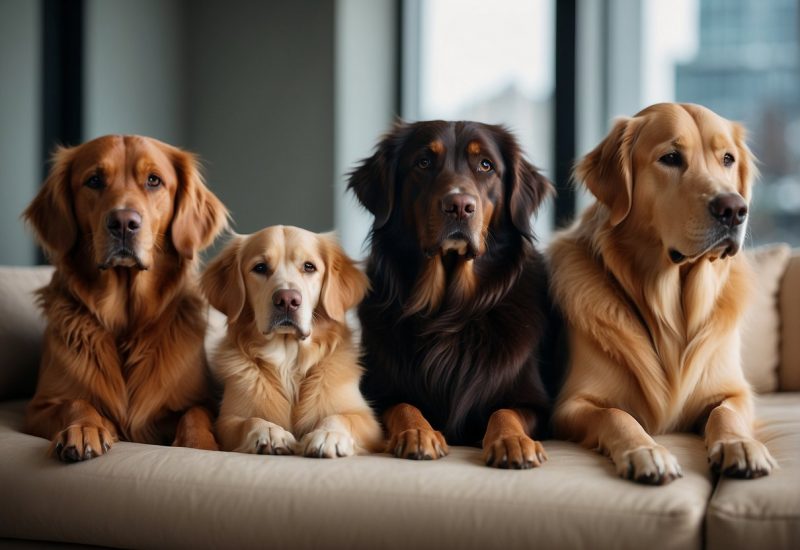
(652, 287)
(122, 218)
(288, 363)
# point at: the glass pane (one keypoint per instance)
(492, 62)
(740, 58)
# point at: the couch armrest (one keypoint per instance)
(789, 304)
(21, 329)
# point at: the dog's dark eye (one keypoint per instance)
(154, 181)
(424, 162)
(308, 267)
(485, 166)
(728, 160)
(672, 159)
(94, 182)
(261, 268)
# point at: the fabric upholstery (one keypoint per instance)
(148, 496)
(763, 513)
(789, 373)
(761, 323)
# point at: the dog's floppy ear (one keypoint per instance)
(373, 180)
(344, 285)
(222, 281)
(526, 186)
(50, 214)
(199, 215)
(607, 171)
(748, 171)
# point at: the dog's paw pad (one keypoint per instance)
(77, 443)
(741, 458)
(515, 452)
(327, 444)
(649, 465)
(271, 440)
(418, 444)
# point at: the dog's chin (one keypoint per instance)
(123, 257)
(459, 243)
(285, 325)
(718, 249)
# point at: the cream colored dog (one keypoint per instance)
(653, 290)
(288, 364)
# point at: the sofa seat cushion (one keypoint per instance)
(763, 513)
(149, 496)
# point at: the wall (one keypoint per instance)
(133, 77)
(20, 130)
(260, 94)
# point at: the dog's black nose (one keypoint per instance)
(729, 209)
(124, 222)
(459, 205)
(287, 300)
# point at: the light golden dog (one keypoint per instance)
(288, 363)
(122, 219)
(653, 290)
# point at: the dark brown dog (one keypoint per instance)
(454, 325)
(122, 218)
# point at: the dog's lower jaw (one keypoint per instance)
(125, 258)
(460, 247)
(286, 329)
(728, 247)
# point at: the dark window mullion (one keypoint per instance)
(62, 82)
(63, 73)
(564, 123)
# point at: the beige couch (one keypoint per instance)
(147, 496)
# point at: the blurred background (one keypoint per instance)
(281, 98)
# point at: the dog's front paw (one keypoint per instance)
(327, 444)
(418, 444)
(741, 458)
(518, 452)
(269, 439)
(649, 465)
(81, 442)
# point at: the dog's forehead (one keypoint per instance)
(109, 153)
(443, 137)
(281, 243)
(101, 151)
(685, 124)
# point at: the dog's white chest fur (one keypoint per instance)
(284, 354)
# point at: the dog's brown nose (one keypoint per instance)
(287, 300)
(124, 222)
(729, 209)
(459, 205)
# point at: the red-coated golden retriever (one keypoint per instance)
(122, 219)
(653, 289)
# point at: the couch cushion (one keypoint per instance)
(763, 513)
(148, 496)
(21, 328)
(761, 334)
(789, 373)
